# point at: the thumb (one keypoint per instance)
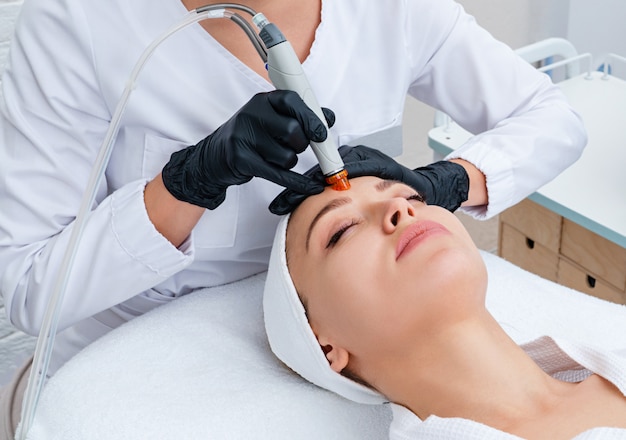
(329, 115)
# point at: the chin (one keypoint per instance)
(458, 268)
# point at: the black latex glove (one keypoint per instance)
(262, 139)
(442, 183)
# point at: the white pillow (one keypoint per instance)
(197, 368)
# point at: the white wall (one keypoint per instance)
(507, 20)
(548, 19)
(598, 27)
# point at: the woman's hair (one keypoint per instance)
(290, 336)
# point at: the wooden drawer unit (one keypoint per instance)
(555, 248)
(571, 275)
(537, 223)
(596, 254)
(527, 253)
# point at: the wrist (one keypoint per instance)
(173, 218)
(477, 194)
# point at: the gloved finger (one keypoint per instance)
(344, 150)
(329, 115)
(289, 103)
(369, 168)
(291, 180)
(248, 160)
(286, 202)
(285, 131)
(366, 161)
(392, 171)
(281, 157)
(361, 152)
(289, 199)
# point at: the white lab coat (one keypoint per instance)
(69, 62)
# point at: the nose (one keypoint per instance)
(398, 210)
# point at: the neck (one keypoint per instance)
(474, 371)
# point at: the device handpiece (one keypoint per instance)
(286, 73)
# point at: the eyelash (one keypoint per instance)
(418, 197)
(337, 235)
(334, 239)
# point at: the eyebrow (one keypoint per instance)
(336, 203)
(383, 185)
(330, 206)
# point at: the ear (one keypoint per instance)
(337, 356)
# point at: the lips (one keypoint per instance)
(417, 233)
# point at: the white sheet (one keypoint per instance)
(200, 368)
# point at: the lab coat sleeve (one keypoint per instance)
(53, 122)
(526, 131)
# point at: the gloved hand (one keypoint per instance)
(442, 183)
(262, 139)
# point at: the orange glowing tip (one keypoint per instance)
(339, 181)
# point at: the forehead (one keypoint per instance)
(359, 187)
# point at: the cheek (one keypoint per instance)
(351, 296)
(359, 262)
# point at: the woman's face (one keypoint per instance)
(377, 268)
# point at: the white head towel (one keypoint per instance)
(290, 335)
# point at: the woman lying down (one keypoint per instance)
(379, 297)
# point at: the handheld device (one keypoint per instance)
(285, 72)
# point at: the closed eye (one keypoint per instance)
(418, 197)
(339, 233)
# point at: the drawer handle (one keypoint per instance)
(591, 281)
(530, 243)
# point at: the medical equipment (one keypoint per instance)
(285, 71)
(45, 341)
